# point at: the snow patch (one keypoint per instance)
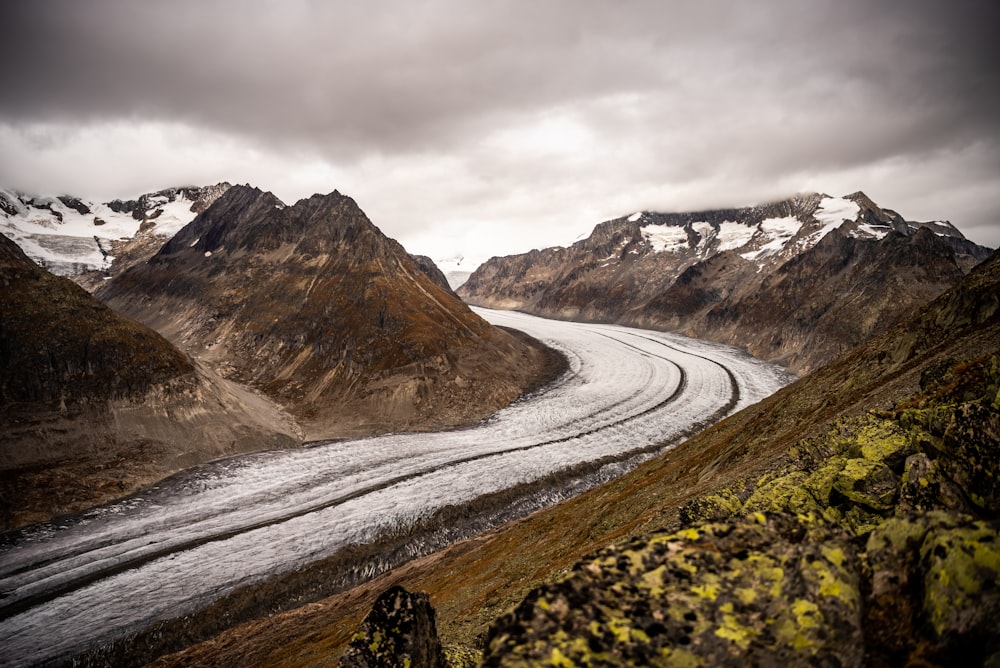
(778, 231)
(665, 238)
(174, 216)
(734, 235)
(635, 216)
(835, 210)
(866, 231)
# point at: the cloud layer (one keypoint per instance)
(493, 127)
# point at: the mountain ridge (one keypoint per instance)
(700, 273)
(89, 240)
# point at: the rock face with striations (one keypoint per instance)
(796, 282)
(314, 306)
(94, 405)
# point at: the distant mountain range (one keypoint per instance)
(796, 282)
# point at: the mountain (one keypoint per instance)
(70, 236)
(796, 282)
(94, 405)
(314, 306)
(892, 448)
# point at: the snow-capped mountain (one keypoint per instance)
(715, 274)
(69, 236)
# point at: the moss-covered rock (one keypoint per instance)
(787, 493)
(925, 487)
(972, 443)
(751, 591)
(961, 567)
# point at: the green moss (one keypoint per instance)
(711, 507)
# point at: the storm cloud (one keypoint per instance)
(491, 127)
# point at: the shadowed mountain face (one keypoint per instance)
(796, 282)
(93, 404)
(313, 305)
(57, 343)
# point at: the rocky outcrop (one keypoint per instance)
(399, 631)
(94, 405)
(876, 544)
(314, 306)
(797, 282)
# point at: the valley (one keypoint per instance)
(205, 534)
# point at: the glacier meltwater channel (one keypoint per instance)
(70, 586)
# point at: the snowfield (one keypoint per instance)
(70, 587)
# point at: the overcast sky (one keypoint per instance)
(491, 127)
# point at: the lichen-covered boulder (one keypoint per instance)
(399, 631)
(867, 483)
(961, 567)
(925, 487)
(934, 589)
(786, 493)
(750, 591)
(719, 506)
(972, 442)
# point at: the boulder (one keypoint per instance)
(399, 631)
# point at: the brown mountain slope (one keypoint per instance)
(94, 405)
(474, 581)
(318, 309)
(796, 282)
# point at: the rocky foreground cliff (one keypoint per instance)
(94, 405)
(312, 305)
(797, 282)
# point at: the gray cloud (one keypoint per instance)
(508, 114)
